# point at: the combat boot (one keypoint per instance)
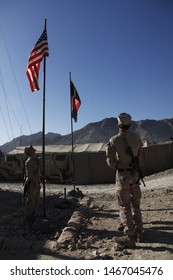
(138, 236)
(125, 242)
(120, 227)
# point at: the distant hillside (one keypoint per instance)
(34, 139)
(151, 130)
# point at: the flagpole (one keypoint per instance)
(72, 139)
(43, 132)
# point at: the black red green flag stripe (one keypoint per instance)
(75, 101)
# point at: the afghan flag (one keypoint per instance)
(75, 101)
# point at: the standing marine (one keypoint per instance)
(127, 180)
(32, 180)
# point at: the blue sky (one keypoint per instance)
(119, 52)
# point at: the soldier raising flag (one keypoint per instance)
(39, 53)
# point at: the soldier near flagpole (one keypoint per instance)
(32, 180)
(39, 53)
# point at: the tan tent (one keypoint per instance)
(90, 163)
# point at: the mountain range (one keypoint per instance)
(153, 131)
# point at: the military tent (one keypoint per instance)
(90, 163)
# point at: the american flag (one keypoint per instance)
(39, 51)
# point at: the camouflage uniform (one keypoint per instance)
(128, 189)
(32, 170)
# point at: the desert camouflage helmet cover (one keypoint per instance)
(124, 119)
(28, 149)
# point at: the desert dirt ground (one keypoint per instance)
(92, 231)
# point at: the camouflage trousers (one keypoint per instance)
(129, 195)
(33, 202)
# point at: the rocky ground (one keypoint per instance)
(84, 225)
